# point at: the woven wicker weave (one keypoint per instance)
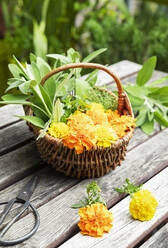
(99, 160)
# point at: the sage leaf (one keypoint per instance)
(60, 57)
(34, 120)
(159, 118)
(42, 97)
(94, 55)
(23, 70)
(140, 119)
(146, 72)
(148, 126)
(58, 111)
(158, 81)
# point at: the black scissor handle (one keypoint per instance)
(28, 235)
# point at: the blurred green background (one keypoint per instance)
(132, 30)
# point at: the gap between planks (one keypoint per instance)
(127, 232)
(58, 220)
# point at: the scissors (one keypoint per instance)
(23, 198)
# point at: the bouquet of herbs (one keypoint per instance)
(68, 107)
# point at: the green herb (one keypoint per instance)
(129, 188)
(150, 104)
(59, 97)
(93, 196)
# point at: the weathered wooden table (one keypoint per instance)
(146, 162)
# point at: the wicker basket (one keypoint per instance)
(99, 160)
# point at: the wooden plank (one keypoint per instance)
(17, 164)
(158, 240)
(14, 135)
(58, 220)
(8, 114)
(127, 232)
(122, 69)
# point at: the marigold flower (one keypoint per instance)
(95, 220)
(105, 135)
(121, 124)
(81, 132)
(143, 205)
(79, 141)
(58, 130)
(97, 113)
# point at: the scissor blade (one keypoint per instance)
(27, 191)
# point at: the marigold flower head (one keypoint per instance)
(81, 132)
(79, 141)
(95, 219)
(120, 123)
(143, 205)
(97, 113)
(105, 135)
(58, 130)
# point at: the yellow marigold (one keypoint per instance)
(78, 120)
(105, 135)
(95, 220)
(143, 205)
(97, 113)
(58, 130)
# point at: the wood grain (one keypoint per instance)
(127, 232)
(8, 114)
(17, 164)
(13, 136)
(158, 240)
(58, 220)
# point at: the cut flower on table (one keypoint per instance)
(95, 219)
(143, 204)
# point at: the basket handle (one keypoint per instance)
(121, 93)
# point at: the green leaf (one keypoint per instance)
(15, 84)
(148, 126)
(46, 126)
(15, 98)
(158, 81)
(140, 119)
(43, 66)
(25, 87)
(34, 120)
(32, 57)
(79, 205)
(159, 118)
(63, 58)
(14, 69)
(94, 55)
(40, 40)
(82, 88)
(160, 94)
(58, 111)
(150, 115)
(92, 78)
(33, 72)
(146, 72)
(73, 55)
(137, 91)
(21, 67)
(41, 97)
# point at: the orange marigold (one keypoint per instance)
(95, 220)
(121, 124)
(81, 132)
